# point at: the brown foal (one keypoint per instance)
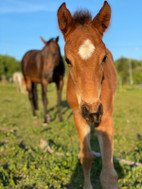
(91, 86)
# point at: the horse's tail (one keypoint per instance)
(35, 97)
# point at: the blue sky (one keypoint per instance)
(22, 22)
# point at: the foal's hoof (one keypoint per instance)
(88, 186)
(44, 124)
(96, 154)
(48, 117)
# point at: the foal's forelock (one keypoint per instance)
(82, 17)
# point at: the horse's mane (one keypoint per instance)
(82, 17)
(50, 40)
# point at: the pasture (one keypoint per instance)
(24, 165)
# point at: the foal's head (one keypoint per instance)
(50, 56)
(86, 55)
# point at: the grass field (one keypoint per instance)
(24, 165)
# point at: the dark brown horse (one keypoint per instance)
(91, 86)
(44, 66)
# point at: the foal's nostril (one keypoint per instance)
(84, 110)
(100, 109)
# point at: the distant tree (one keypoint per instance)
(137, 77)
(8, 65)
(122, 66)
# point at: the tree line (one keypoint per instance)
(126, 68)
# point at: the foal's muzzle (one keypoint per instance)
(90, 116)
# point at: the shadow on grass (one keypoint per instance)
(65, 108)
(77, 179)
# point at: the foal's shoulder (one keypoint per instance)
(110, 71)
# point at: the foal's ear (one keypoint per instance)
(64, 18)
(57, 39)
(102, 19)
(45, 42)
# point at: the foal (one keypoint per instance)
(91, 86)
(44, 66)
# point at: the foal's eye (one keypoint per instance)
(54, 54)
(104, 59)
(67, 61)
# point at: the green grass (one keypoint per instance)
(24, 165)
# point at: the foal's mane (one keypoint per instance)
(82, 17)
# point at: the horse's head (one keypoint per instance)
(86, 55)
(50, 57)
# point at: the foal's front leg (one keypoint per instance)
(86, 156)
(105, 136)
(59, 93)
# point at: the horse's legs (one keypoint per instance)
(17, 83)
(17, 86)
(86, 156)
(29, 89)
(20, 85)
(59, 93)
(45, 102)
(35, 97)
(105, 136)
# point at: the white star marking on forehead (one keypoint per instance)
(86, 49)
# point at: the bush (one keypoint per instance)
(8, 65)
